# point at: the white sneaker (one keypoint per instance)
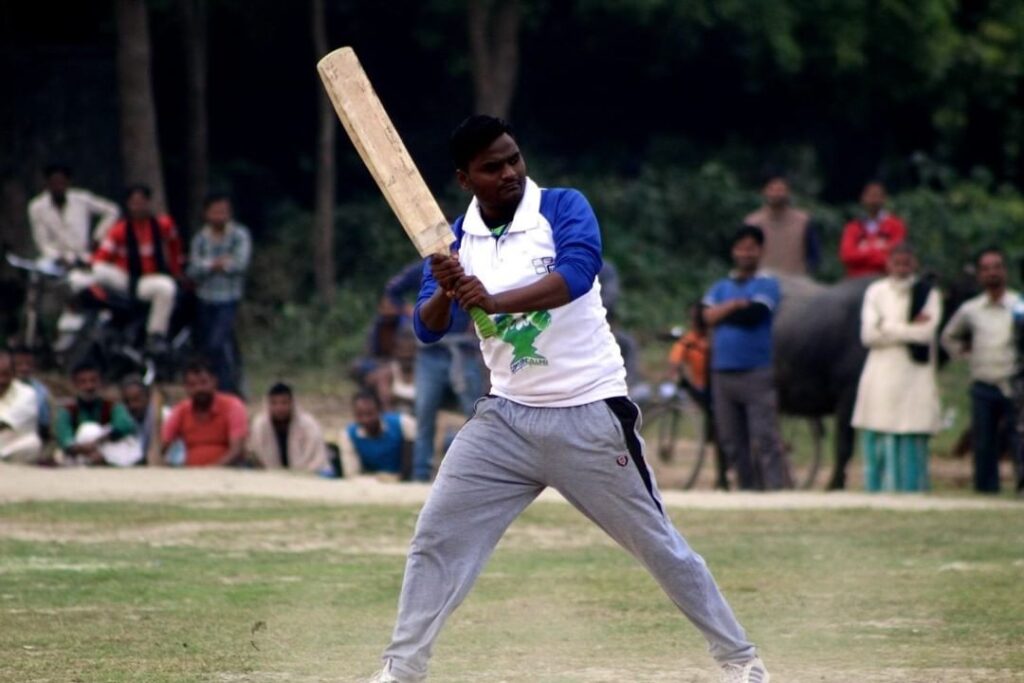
(384, 676)
(752, 671)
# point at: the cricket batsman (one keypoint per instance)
(558, 414)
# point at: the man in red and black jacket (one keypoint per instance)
(141, 256)
(867, 240)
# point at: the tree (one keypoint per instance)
(494, 51)
(193, 18)
(323, 216)
(140, 147)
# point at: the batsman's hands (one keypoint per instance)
(471, 293)
(447, 271)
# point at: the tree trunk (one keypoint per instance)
(323, 217)
(193, 17)
(494, 52)
(140, 147)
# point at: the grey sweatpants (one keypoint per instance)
(747, 427)
(500, 462)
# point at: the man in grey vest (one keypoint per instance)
(790, 241)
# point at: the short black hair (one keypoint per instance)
(134, 381)
(138, 188)
(54, 168)
(990, 249)
(748, 231)
(280, 389)
(367, 395)
(474, 135)
(197, 366)
(215, 197)
(87, 365)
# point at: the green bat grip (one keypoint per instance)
(483, 322)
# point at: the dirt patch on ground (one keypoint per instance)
(19, 483)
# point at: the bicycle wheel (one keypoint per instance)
(803, 445)
(677, 434)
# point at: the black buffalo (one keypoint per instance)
(819, 357)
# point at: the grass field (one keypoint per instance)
(257, 590)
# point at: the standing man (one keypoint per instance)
(558, 414)
(898, 397)
(982, 331)
(791, 245)
(450, 367)
(62, 219)
(739, 309)
(141, 256)
(218, 261)
(867, 240)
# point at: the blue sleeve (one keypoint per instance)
(408, 280)
(713, 297)
(577, 242)
(427, 288)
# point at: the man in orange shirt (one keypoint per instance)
(867, 240)
(212, 425)
(141, 256)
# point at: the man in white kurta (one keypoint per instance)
(898, 398)
(19, 416)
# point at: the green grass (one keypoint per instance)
(162, 592)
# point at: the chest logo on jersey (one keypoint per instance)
(520, 332)
(543, 265)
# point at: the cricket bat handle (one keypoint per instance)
(484, 324)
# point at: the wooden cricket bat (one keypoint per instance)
(384, 153)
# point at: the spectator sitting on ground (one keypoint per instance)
(379, 442)
(137, 398)
(19, 409)
(91, 430)
(213, 425)
(867, 240)
(25, 370)
(285, 436)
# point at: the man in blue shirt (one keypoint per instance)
(740, 309)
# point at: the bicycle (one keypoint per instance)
(679, 426)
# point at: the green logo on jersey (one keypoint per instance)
(521, 331)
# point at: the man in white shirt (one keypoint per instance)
(982, 331)
(62, 219)
(19, 411)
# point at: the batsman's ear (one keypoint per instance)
(462, 178)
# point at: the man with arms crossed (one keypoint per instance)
(558, 416)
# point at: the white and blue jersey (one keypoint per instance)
(563, 357)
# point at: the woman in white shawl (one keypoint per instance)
(898, 399)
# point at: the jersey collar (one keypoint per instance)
(527, 214)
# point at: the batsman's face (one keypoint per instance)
(496, 176)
